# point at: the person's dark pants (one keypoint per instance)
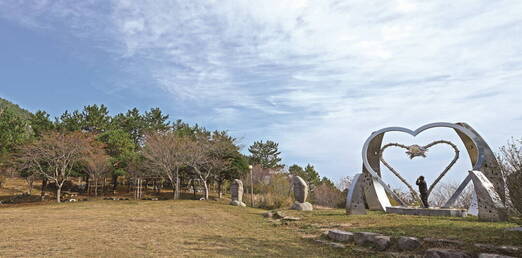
(424, 198)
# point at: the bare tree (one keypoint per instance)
(510, 159)
(97, 165)
(344, 183)
(54, 155)
(441, 194)
(164, 153)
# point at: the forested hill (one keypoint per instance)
(20, 112)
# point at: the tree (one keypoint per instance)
(510, 159)
(296, 170)
(14, 130)
(164, 153)
(70, 121)
(344, 183)
(265, 154)
(120, 146)
(156, 121)
(96, 164)
(55, 154)
(131, 122)
(40, 123)
(95, 118)
(225, 159)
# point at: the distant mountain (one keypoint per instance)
(22, 113)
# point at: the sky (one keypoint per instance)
(315, 76)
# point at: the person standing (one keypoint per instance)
(423, 189)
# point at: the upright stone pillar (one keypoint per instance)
(236, 190)
(300, 194)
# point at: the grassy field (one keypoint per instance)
(201, 228)
(148, 228)
(166, 228)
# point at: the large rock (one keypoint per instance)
(445, 253)
(380, 243)
(341, 236)
(236, 190)
(364, 238)
(300, 189)
(408, 243)
(305, 206)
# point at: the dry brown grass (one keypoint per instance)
(148, 228)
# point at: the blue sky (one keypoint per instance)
(316, 76)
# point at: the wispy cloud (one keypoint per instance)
(318, 76)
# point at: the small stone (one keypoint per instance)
(486, 255)
(514, 229)
(268, 214)
(445, 253)
(291, 218)
(341, 236)
(279, 215)
(332, 244)
(408, 243)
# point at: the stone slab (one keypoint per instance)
(446, 212)
(341, 236)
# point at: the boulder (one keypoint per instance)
(445, 253)
(363, 238)
(408, 243)
(341, 236)
(305, 206)
(380, 243)
(300, 189)
(236, 190)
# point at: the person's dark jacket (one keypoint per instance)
(423, 188)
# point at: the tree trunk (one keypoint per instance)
(44, 184)
(114, 183)
(194, 188)
(96, 187)
(88, 186)
(176, 192)
(206, 188)
(58, 191)
(30, 187)
(220, 193)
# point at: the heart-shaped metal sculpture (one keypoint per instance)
(419, 151)
(371, 161)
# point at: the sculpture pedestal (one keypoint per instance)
(237, 203)
(445, 212)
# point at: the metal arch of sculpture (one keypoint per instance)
(374, 190)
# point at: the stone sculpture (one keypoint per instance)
(236, 190)
(300, 194)
(486, 175)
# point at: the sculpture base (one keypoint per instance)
(237, 203)
(302, 206)
(445, 212)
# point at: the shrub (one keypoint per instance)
(271, 193)
(328, 196)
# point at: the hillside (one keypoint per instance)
(6, 104)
